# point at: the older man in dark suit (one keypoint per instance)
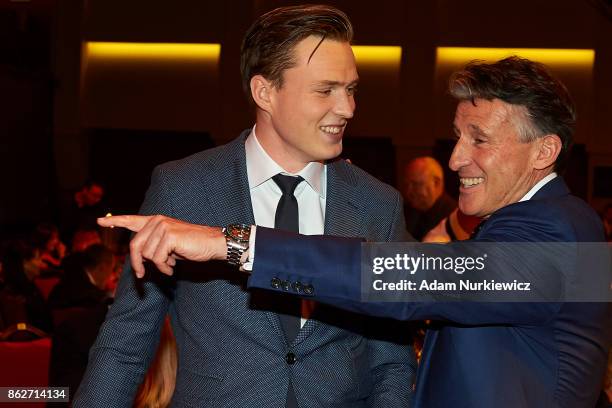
(255, 349)
(513, 125)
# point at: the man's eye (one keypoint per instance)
(325, 91)
(479, 141)
(351, 90)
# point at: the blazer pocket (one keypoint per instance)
(197, 389)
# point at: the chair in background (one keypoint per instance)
(24, 363)
(46, 285)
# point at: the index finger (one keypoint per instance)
(132, 222)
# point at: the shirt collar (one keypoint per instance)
(261, 167)
(538, 186)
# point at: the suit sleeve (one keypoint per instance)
(392, 360)
(331, 268)
(129, 336)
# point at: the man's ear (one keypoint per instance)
(549, 149)
(261, 90)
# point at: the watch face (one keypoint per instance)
(239, 232)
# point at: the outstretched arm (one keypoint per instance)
(329, 269)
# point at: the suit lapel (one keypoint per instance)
(231, 201)
(342, 212)
(342, 218)
(230, 198)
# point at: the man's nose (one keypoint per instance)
(345, 105)
(460, 156)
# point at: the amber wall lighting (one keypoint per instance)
(153, 51)
(571, 58)
(150, 85)
(388, 56)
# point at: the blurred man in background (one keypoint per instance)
(426, 201)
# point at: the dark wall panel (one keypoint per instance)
(122, 160)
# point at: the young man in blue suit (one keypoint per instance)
(240, 348)
(514, 126)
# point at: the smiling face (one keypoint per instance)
(304, 119)
(495, 168)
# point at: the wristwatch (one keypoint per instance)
(237, 239)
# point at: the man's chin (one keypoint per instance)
(332, 153)
(467, 207)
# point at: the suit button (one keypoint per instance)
(275, 283)
(297, 287)
(290, 358)
(286, 285)
(308, 289)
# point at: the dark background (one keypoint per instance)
(65, 119)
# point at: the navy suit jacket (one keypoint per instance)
(231, 347)
(475, 354)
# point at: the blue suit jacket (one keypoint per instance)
(475, 354)
(231, 347)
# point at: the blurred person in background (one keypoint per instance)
(84, 238)
(85, 278)
(458, 226)
(88, 204)
(48, 251)
(158, 385)
(426, 201)
(79, 303)
(20, 299)
(89, 195)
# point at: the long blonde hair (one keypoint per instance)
(158, 385)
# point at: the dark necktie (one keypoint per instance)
(287, 218)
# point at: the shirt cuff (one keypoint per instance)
(249, 255)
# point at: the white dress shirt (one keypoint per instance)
(265, 193)
(538, 186)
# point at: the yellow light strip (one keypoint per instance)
(378, 54)
(550, 56)
(153, 51)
